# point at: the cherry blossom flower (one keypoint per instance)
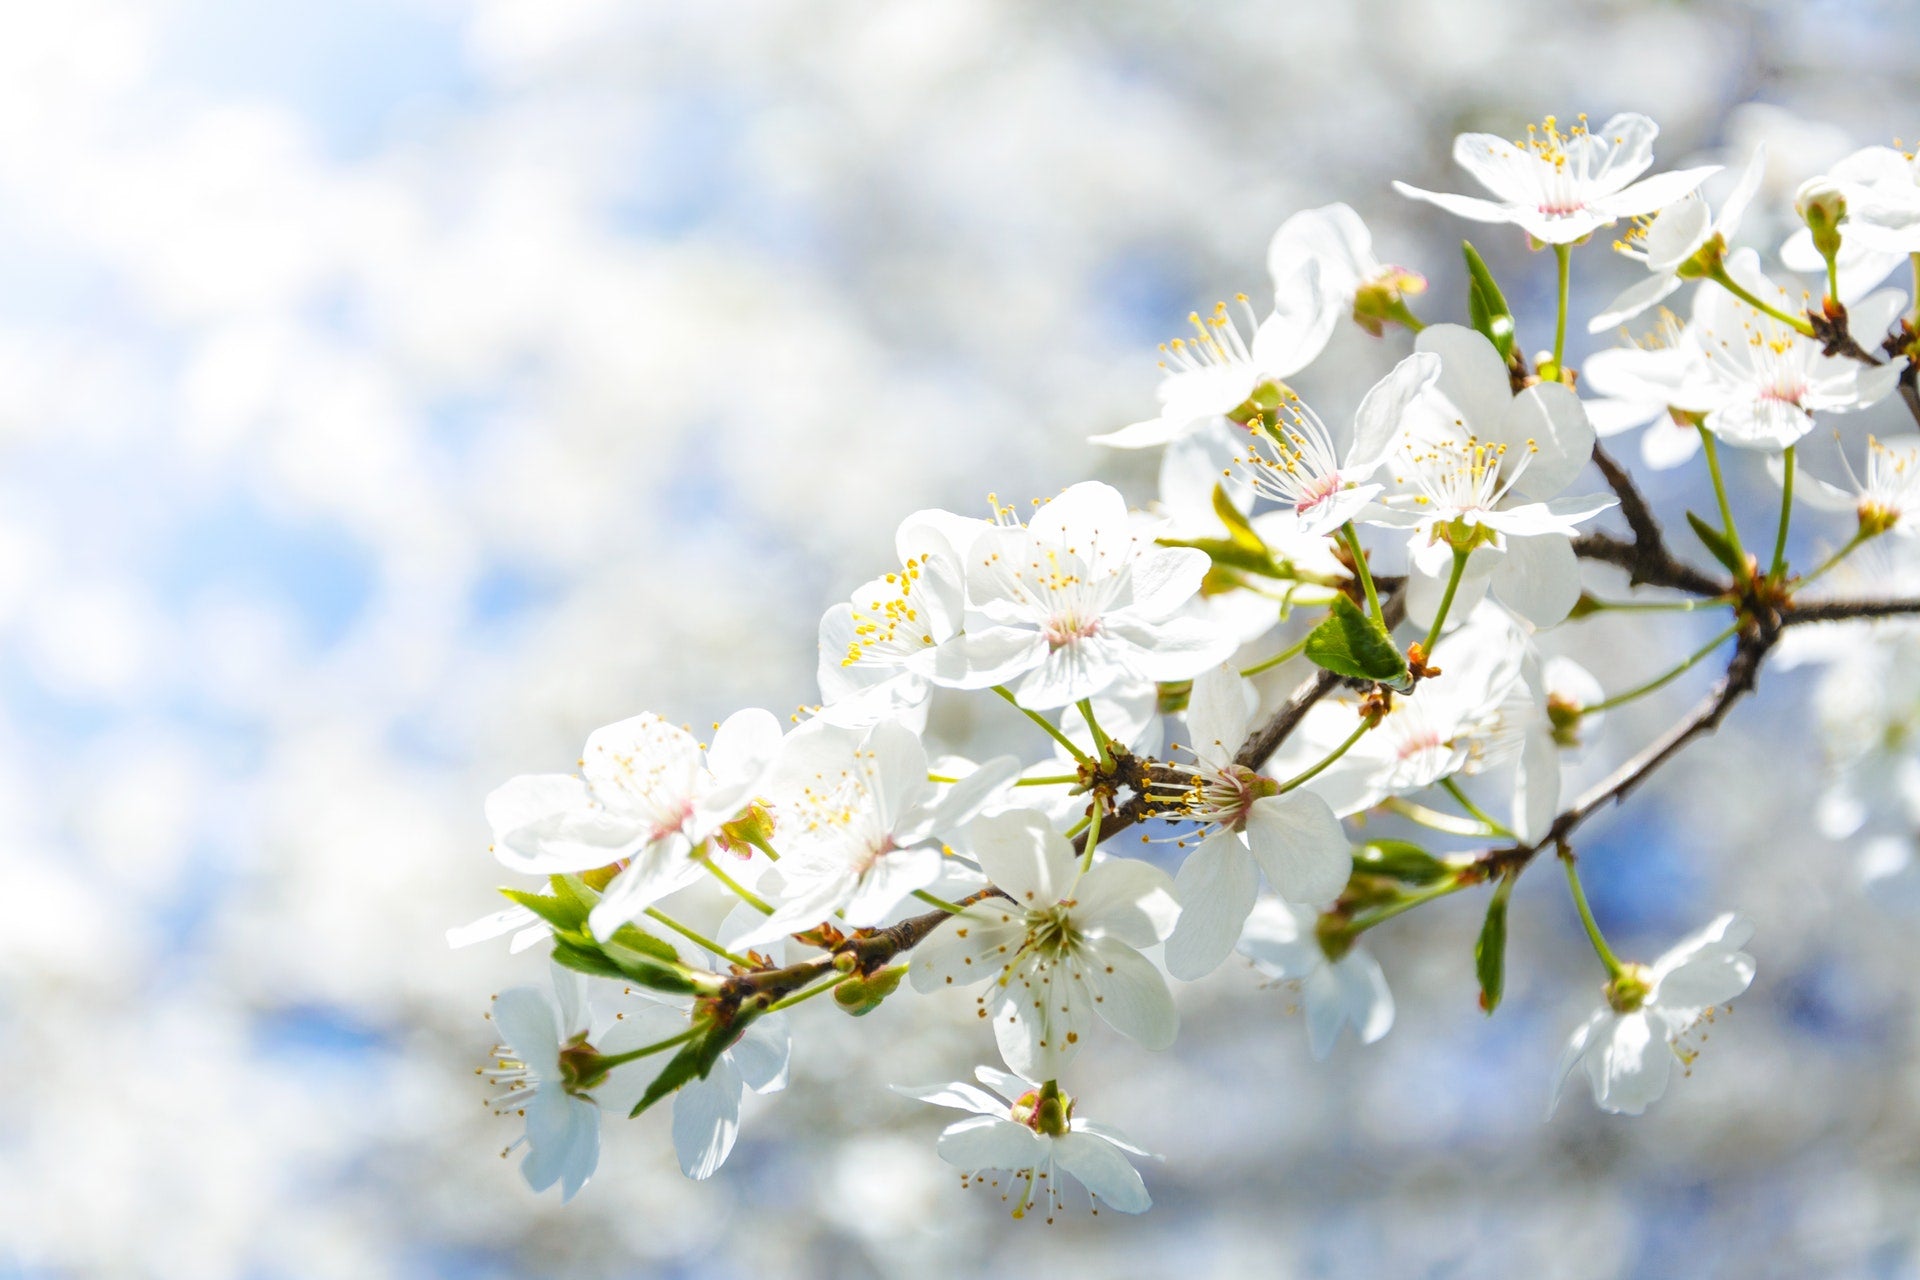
(645, 796)
(1030, 1131)
(706, 1111)
(882, 651)
(1353, 282)
(1884, 500)
(1560, 187)
(1061, 947)
(1077, 602)
(1299, 464)
(1635, 386)
(859, 823)
(1283, 942)
(1759, 382)
(1218, 372)
(1484, 469)
(1672, 237)
(1629, 1046)
(1250, 827)
(1881, 187)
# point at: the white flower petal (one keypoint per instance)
(1103, 1170)
(1216, 885)
(1300, 845)
(1130, 994)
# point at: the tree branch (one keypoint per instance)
(1847, 611)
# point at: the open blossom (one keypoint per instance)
(1560, 187)
(1881, 186)
(1061, 947)
(1886, 499)
(1487, 713)
(1299, 464)
(883, 650)
(1218, 370)
(1078, 601)
(1031, 1132)
(1759, 382)
(541, 1038)
(1634, 386)
(1353, 282)
(646, 795)
(1629, 1046)
(1283, 941)
(1486, 467)
(860, 825)
(1250, 827)
(706, 1111)
(1673, 236)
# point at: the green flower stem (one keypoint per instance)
(1268, 664)
(1460, 798)
(1446, 600)
(708, 943)
(1799, 324)
(1352, 536)
(745, 894)
(1854, 543)
(1779, 569)
(608, 1061)
(810, 992)
(1100, 739)
(1594, 935)
(1564, 253)
(1653, 606)
(1712, 448)
(1093, 836)
(1434, 819)
(1338, 751)
(1052, 732)
(1363, 923)
(950, 908)
(1666, 677)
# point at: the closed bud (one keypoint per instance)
(1821, 205)
(1399, 860)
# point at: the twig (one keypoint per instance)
(1847, 610)
(1655, 567)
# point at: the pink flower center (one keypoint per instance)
(1064, 628)
(1317, 491)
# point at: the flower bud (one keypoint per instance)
(1821, 204)
(1381, 300)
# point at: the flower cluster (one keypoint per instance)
(1407, 568)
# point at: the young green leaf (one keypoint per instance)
(1490, 949)
(1350, 643)
(1486, 305)
(1399, 860)
(1716, 543)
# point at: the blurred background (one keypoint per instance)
(392, 392)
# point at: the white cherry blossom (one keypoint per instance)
(1299, 464)
(1629, 1046)
(1673, 236)
(1759, 382)
(1218, 370)
(1078, 601)
(647, 794)
(1489, 465)
(1033, 1134)
(883, 650)
(1886, 499)
(1353, 282)
(1061, 947)
(1249, 828)
(706, 1111)
(859, 823)
(1283, 942)
(1882, 224)
(1560, 187)
(1635, 387)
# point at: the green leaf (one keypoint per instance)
(1490, 949)
(1486, 305)
(633, 938)
(1399, 860)
(1716, 543)
(642, 967)
(694, 1061)
(1229, 554)
(566, 915)
(1350, 643)
(1239, 531)
(585, 960)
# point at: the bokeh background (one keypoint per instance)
(392, 392)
